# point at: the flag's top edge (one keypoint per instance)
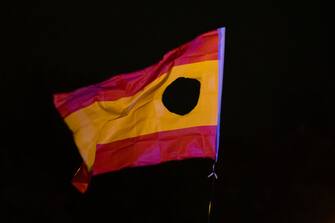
(203, 47)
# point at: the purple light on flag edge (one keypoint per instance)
(221, 46)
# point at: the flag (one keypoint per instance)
(131, 120)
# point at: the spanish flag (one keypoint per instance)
(132, 120)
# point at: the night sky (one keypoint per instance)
(277, 155)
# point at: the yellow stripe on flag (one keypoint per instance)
(144, 113)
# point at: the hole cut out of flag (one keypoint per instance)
(123, 122)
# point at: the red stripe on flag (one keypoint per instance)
(204, 47)
(195, 142)
(82, 178)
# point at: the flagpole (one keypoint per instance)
(213, 175)
(210, 206)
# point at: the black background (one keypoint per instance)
(276, 162)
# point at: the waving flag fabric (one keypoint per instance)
(124, 122)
